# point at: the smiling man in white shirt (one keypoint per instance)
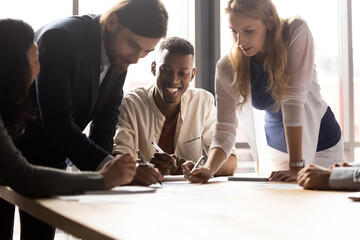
(179, 119)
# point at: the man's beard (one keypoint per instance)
(118, 66)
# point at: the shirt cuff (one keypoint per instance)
(355, 164)
(357, 175)
(104, 161)
(342, 178)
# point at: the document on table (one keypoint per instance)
(116, 194)
(122, 190)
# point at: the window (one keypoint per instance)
(356, 55)
(94, 6)
(357, 155)
(33, 12)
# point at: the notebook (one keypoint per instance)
(248, 178)
(171, 178)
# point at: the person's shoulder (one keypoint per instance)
(73, 25)
(224, 63)
(296, 21)
(198, 92)
(199, 95)
(136, 96)
(296, 24)
(224, 70)
(72, 21)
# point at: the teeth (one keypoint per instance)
(172, 90)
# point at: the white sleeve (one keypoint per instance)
(209, 123)
(124, 141)
(227, 121)
(300, 67)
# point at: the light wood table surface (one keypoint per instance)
(217, 210)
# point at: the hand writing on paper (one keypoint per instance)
(342, 164)
(164, 162)
(199, 175)
(314, 177)
(146, 175)
(284, 176)
(119, 171)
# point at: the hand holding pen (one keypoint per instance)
(197, 164)
(195, 173)
(163, 161)
(146, 174)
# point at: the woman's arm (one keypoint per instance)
(225, 128)
(202, 174)
(293, 136)
(36, 181)
(300, 66)
(228, 167)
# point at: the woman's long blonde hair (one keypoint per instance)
(276, 60)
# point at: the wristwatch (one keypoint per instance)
(298, 164)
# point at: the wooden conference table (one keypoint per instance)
(217, 210)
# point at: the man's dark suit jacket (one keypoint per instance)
(68, 95)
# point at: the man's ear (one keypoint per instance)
(193, 72)
(112, 23)
(153, 68)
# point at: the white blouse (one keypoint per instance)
(303, 106)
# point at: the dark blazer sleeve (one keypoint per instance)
(35, 181)
(103, 126)
(54, 87)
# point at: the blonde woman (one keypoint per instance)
(271, 68)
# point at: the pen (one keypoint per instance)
(200, 161)
(157, 147)
(145, 163)
(161, 151)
